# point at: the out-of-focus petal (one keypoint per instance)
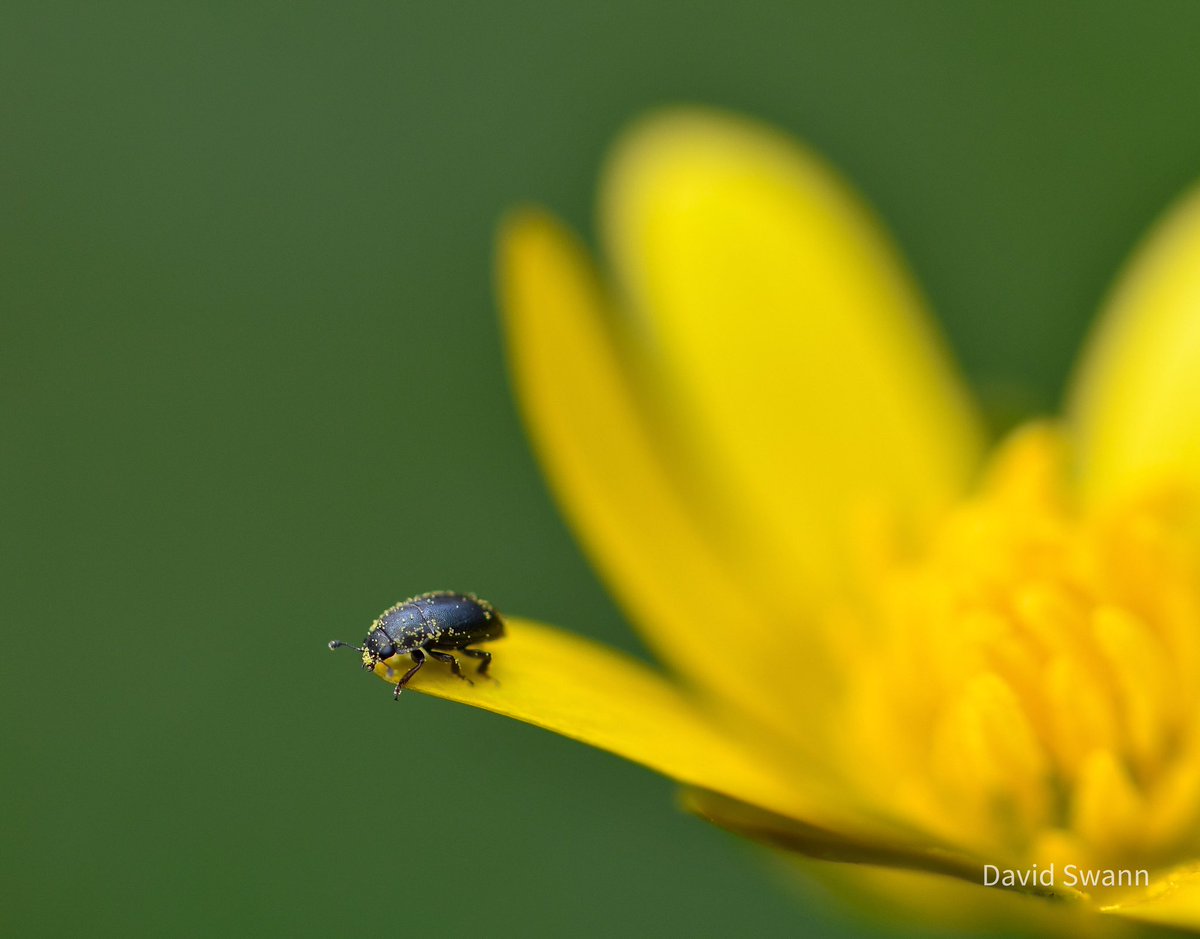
(605, 466)
(1135, 407)
(802, 354)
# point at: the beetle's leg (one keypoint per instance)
(483, 665)
(452, 662)
(418, 658)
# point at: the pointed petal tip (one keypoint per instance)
(521, 230)
(685, 122)
(769, 288)
(521, 220)
(1134, 398)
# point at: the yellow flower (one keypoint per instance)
(884, 647)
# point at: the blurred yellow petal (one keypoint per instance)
(1172, 899)
(740, 437)
(1136, 401)
(589, 693)
(802, 353)
(604, 464)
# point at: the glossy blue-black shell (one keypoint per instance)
(440, 620)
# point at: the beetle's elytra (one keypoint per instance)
(430, 624)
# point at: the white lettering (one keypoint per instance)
(1072, 876)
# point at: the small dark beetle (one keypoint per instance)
(432, 623)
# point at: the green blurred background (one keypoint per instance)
(248, 324)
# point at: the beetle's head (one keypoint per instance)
(377, 647)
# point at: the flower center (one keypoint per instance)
(1029, 686)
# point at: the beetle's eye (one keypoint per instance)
(386, 651)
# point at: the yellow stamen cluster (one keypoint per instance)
(1031, 679)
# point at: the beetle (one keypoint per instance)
(432, 623)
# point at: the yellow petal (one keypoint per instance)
(802, 354)
(584, 691)
(1172, 899)
(606, 468)
(1136, 400)
(1107, 809)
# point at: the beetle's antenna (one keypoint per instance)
(337, 643)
